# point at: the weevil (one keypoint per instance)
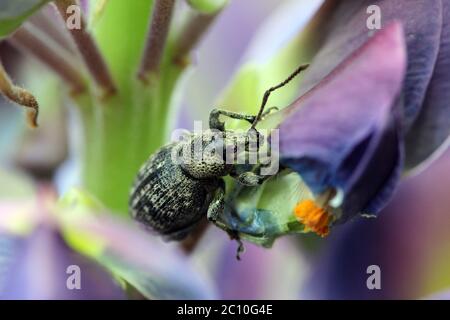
(170, 197)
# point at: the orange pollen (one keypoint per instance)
(314, 218)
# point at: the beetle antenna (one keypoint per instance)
(269, 91)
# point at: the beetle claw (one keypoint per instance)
(240, 249)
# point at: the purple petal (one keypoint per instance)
(9, 246)
(409, 241)
(340, 131)
(262, 273)
(42, 271)
(347, 30)
(425, 110)
(432, 126)
(157, 270)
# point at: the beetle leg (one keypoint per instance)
(240, 249)
(217, 204)
(217, 207)
(249, 178)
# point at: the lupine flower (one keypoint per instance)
(371, 108)
(365, 108)
(407, 242)
(416, 113)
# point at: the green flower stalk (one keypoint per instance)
(121, 69)
(132, 54)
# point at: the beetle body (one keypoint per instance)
(171, 196)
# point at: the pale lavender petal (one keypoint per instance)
(347, 30)
(9, 246)
(262, 273)
(156, 269)
(42, 270)
(409, 241)
(338, 132)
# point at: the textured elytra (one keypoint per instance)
(166, 199)
(182, 182)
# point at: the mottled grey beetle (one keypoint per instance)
(171, 197)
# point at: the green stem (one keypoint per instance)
(119, 136)
(121, 132)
